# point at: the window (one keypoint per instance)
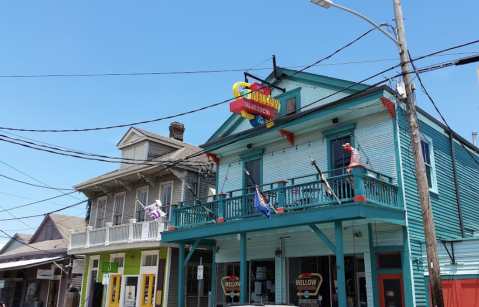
(428, 156)
(389, 261)
(290, 102)
(119, 260)
(150, 260)
(291, 106)
(166, 192)
(254, 169)
(147, 291)
(118, 209)
(340, 157)
(142, 197)
(100, 213)
(192, 282)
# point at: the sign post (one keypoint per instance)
(200, 278)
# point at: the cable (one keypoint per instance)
(184, 113)
(34, 185)
(41, 250)
(437, 109)
(36, 202)
(16, 217)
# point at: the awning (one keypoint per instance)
(28, 263)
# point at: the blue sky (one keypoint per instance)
(93, 37)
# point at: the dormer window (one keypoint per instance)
(133, 154)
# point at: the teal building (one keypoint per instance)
(363, 246)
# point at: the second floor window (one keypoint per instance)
(118, 209)
(291, 106)
(254, 169)
(428, 156)
(100, 213)
(166, 190)
(143, 198)
(340, 158)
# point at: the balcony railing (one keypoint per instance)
(288, 195)
(125, 233)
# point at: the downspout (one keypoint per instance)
(456, 184)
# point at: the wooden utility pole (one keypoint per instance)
(422, 183)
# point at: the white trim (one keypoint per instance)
(428, 140)
(58, 294)
(122, 207)
(166, 285)
(104, 211)
(90, 269)
(123, 286)
(147, 187)
(160, 193)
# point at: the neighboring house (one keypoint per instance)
(363, 248)
(35, 270)
(121, 232)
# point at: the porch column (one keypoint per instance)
(181, 275)
(243, 271)
(213, 279)
(341, 280)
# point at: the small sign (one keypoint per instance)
(109, 267)
(231, 285)
(106, 279)
(44, 274)
(130, 296)
(78, 266)
(200, 272)
(145, 230)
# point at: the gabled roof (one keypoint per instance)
(25, 238)
(299, 77)
(183, 151)
(62, 224)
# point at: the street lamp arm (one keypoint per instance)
(367, 19)
(328, 3)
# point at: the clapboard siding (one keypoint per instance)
(443, 203)
(130, 197)
(281, 161)
(466, 254)
(156, 150)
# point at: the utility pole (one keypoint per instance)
(422, 184)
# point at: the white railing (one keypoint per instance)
(125, 233)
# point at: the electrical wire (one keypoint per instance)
(38, 249)
(34, 185)
(36, 202)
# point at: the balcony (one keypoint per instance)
(125, 233)
(300, 193)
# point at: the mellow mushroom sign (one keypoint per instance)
(254, 102)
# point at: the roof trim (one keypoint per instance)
(7, 266)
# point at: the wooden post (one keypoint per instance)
(221, 207)
(243, 269)
(281, 195)
(422, 184)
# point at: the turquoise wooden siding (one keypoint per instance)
(443, 203)
(309, 93)
(373, 134)
(468, 175)
(465, 253)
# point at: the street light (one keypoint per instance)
(421, 179)
(328, 3)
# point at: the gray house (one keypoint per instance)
(121, 232)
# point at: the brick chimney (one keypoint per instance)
(176, 131)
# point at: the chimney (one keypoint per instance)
(474, 138)
(176, 131)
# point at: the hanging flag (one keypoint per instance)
(261, 203)
(327, 188)
(154, 211)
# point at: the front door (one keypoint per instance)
(52, 300)
(391, 290)
(115, 286)
(147, 290)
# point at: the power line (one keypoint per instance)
(36, 202)
(34, 185)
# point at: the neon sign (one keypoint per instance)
(254, 102)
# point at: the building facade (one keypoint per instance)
(35, 270)
(127, 264)
(361, 245)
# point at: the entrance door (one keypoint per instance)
(147, 291)
(115, 286)
(129, 295)
(53, 289)
(391, 290)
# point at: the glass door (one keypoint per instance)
(131, 285)
(115, 286)
(147, 290)
(391, 290)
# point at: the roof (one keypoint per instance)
(183, 151)
(6, 266)
(25, 238)
(295, 116)
(63, 223)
